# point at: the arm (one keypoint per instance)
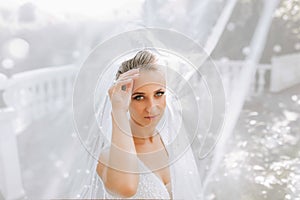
(117, 164)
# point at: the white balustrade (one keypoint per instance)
(38, 92)
(230, 71)
(27, 96)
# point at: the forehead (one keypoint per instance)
(149, 79)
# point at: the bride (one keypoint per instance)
(137, 164)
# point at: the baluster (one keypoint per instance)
(26, 107)
(31, 102)
(230, 79)
(41, 94)
(60, 91)
(36, 102)
(252, 90)
(228, 83)
(65, 80)
(261, 80)
(56, 92)
(233, 82)
(50, 95)
(69, 87)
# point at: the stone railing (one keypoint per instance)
(26, 97)
(230, 70)
(36, 93)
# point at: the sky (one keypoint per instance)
(104, 10)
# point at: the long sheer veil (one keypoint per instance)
(186, 120)
(185, 174)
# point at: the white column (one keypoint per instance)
(10, 182)
(10, 174)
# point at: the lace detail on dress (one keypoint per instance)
(150, 187)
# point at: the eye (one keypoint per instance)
(138, 98)
(160, 93)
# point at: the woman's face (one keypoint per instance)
(148, 100)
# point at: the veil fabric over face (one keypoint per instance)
(185, 178)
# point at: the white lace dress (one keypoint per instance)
(184, 177)
(150, 187)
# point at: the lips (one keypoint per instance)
(151, 117)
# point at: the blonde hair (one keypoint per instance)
(143, 60)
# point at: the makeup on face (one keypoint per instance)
(148, 98)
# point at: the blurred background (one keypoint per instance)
(254, 43)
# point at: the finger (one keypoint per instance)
(134, 76)
(123, 82)
(129, 86)
(118, 87)
(130, 72)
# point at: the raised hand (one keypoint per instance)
(120, 93)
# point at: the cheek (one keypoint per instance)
(135, 107)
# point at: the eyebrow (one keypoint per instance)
(141, 93)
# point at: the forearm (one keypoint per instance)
(122, 156)
(121, 132)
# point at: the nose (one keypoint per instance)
(151, 105)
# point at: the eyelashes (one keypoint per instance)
(141, 97)
(160, 93)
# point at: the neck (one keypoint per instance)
(140, 134)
